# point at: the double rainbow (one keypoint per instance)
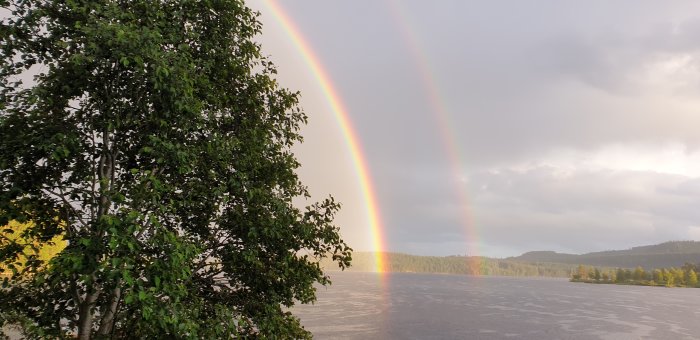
(346, 127)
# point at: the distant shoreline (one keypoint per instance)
(644, 284)
(685, 276)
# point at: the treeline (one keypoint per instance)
(463, 265)
(685, 276)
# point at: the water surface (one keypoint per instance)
(426, 306)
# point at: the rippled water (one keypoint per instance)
(424, 306)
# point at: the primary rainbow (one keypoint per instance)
(349, 133)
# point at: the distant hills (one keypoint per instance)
(465, 265)
(663, 255)
(535, 263)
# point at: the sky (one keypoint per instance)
(499, 127)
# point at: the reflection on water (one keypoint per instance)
(423, 306)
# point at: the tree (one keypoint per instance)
(154, 139)
(639, 274)
(596, 274)
(670, 280)
(621, 275)
(581, 272)
(692, 278)
(27, 248)
(679, 276)
(658, 276)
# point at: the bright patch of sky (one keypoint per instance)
(577, 124)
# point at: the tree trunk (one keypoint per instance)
(85, 315)
(105, 175)
(110, 312)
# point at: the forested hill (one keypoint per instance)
(465, 265)
(667, 254)
(535, 263)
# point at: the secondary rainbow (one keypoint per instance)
(349, 133)
(444, 123)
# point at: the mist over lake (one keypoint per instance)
(430, 306)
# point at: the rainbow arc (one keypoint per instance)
(349, 133)
(444, 122)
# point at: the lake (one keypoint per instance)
(428, 306)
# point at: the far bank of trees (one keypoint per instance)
(460, 265)
(684, 276)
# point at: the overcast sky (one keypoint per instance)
(576, 124)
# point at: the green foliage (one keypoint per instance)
(582, 272)
(670, 280)
(691, 278)
(596, 274)
(685, 276)
(155, 133)
(621, 275)
(657, 276)
(463, 265)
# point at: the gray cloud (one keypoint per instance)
(542, 209)
(588, 202)
(520, 81)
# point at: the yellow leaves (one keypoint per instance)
(14, 232)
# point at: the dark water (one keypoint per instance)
(423, 306)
